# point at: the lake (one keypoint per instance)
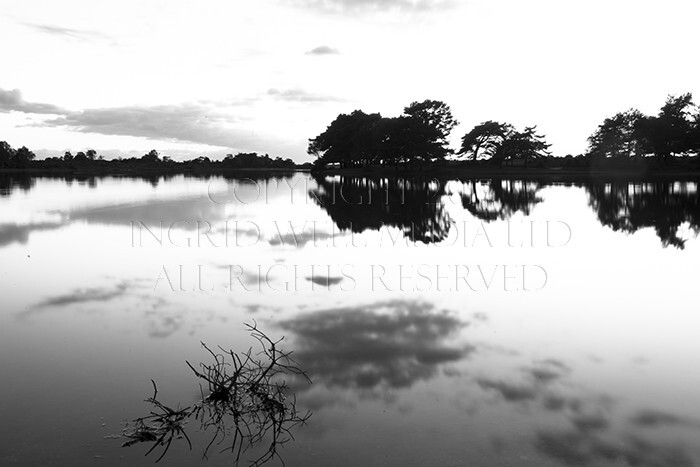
(442, 322)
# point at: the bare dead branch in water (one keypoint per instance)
(244, 399)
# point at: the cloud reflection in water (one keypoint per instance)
(393, 343)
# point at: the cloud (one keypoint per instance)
(386, 344)
(202, 122)
(587, 448)
(162, 326)
(75, 34)
(656, 418)
(341, 6)
(19, 233)
(300, 239)
(299, 95)
(77, 296)
(323, 50)
(587, 422)
(161, 216)
(547, 371)
(155, 214)
(12, 100)
(325, 281)
(510, 392)
(193, 122)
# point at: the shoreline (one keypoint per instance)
(513, 172)
(142, 172)
(377, 172)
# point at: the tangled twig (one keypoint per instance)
(244, 397)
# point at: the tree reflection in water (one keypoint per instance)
(499, 199)
(663, 205)
(418, 206)
(412, 205)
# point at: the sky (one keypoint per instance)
(217, 77)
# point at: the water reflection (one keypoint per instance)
(499, 199)
(188, 211)
(384, 349)
(358, 204)
(8, 183)
(245, 402)
(591, 444)
(419, 206)
(393, 372)
(391, 344)
(592, 428)
(663, 205)
(19, 233)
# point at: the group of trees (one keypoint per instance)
(252, 160)
(360, 140)
(153, 161)
(15, 158)
(675, 131)
(501, 143)
(421, 135)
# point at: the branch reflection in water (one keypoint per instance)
(245, 399)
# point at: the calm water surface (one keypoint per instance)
(442, 322)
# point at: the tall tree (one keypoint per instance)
(617, 136)
(406, 139)
(522, 145)
(671, 132)
(152, 157)
(6, 153)
(22, 157)
(484, 139)
(436, 115)
(345, 141)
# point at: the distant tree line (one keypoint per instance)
(23, 158)
(421, 134)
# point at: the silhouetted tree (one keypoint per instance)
(617, 136)
(406, 139)
(437, 123)
(671, 132)
(7, 153)
(347, 140)
(484, 139)
(360, 139)
(152, 157)
(521, 145)
(22, 157)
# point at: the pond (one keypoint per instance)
(488, 322)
